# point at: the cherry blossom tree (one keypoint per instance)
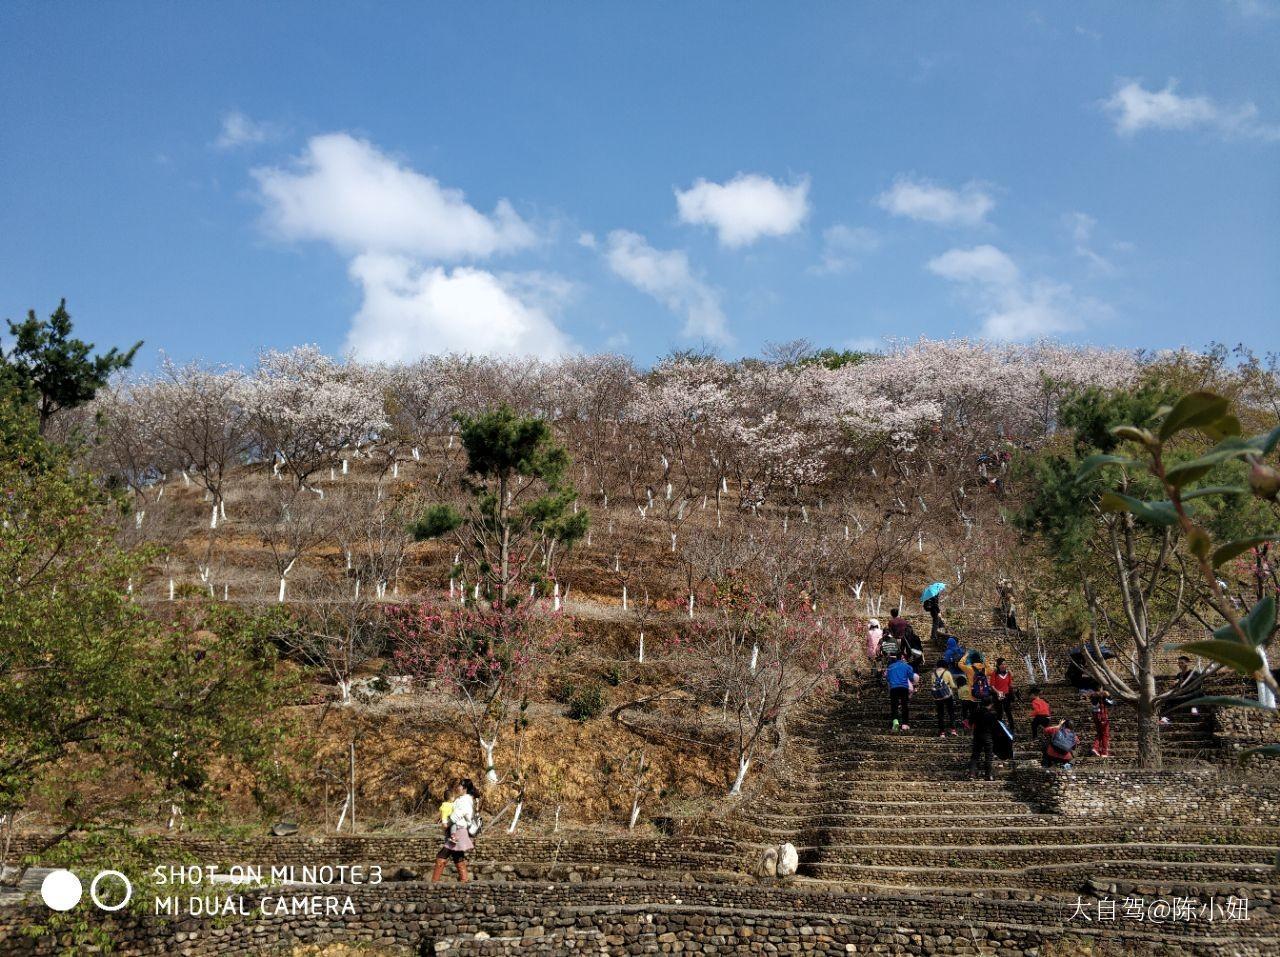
(489, 658)
(758, 659)
(305, 408)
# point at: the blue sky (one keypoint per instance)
(397, 178)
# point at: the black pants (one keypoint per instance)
(1038, 724)
(982, 749)
(946, 713)
(1004, 708)
(900, 705)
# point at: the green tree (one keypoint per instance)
(520, 501)
(102, 704)
(1123, 575)
(1234, 468)
(56, 369)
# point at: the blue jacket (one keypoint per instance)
(953, 653)
(900, 675)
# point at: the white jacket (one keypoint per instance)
(464, 811)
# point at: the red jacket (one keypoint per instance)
(1001, 683)
(1040, 707)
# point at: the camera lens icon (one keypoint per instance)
(61, 890)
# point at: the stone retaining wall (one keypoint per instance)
(1184, 794)
(674, 853)
(1238, 729)
(564, 919)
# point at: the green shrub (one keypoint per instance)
(586, 702)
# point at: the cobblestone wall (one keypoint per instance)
(565, 919)
(1202, 795)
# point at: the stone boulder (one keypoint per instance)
(767, 863)
(788, 860)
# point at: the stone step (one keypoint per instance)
(1039, 831)
(999, 857)
(1063, 876)
(875, 814)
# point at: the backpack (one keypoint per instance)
(941, 691)
(981, 686)
(476, 826)
(1064, 740)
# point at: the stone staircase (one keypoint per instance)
(900, 853)
(880, 812)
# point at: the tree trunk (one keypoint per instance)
(490, 772)
(744, 762)
(1149, 757)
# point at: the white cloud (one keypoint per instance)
(1032, 311)
(587, 240)
(1135, 108)
(1081, 226)
(666, 276)
(1012, 307)
(923, 200)
(346, 192)
(746, 208)
(843, 248)
(980, 264)
(410, 311)
(239, 130)
(399, 227)
(1256, 9)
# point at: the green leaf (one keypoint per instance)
(1215, 490)
(1095, 462)
(1256, 625)
(1154, 513)
(1268, 441)
(1230, 447)
(1230, 550)
(1192, 410)
(1226, 426)
(1133, 434)
(1260, 621)
(1234, 654)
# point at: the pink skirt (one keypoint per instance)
(459, 839)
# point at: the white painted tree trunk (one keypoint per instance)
(213, 517)
(1266, 697)
(515, 818)
(624, 597)
(755, 657)
(283, 575)
(640, 656)
(690, 604)
(555, 597)
(170, 589)
(344, 687)
(744, 763)
(345, 466)
(490, 772)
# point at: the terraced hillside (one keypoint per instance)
(899, 853)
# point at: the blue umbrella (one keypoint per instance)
(933, 591)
